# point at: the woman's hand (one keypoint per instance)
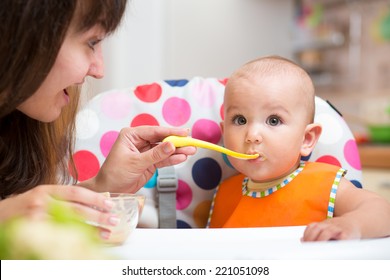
(91, 206)
(135, 156)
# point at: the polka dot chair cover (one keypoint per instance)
(196, 104)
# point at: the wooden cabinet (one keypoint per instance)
(378, 181)
(375, 156)
(376, 168)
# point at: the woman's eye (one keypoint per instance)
(273, 121)
(93, 43)
(239, 120)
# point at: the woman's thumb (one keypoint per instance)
(159, 153)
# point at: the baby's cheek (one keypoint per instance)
(237, 164)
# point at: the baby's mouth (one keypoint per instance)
(261, 156)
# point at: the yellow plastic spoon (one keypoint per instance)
(181, 141)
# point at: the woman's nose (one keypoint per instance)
(96, 68)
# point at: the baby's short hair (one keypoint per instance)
(276, 66)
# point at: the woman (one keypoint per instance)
(47, 50)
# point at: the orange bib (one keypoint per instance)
(302, 200)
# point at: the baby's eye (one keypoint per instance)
(239, 120)
(274, 121)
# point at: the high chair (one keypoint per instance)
(196, 104)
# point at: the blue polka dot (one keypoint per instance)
(306, 158)
(207, 173)
(357, 184)
(152, 181)
(182, 224)
(176, 83)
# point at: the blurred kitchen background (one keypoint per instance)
(343, 44)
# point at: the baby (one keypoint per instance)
(269, 109)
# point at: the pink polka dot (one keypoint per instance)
(205, 94)
(107, 140)
(329, 159)
(144, 119)
(87, 165)
(176, 111)
(206, 130)
(116, 105)
(183, 195)
(351, 154)
(148, 93)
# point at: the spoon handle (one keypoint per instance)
(179, 141)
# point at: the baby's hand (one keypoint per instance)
(333, 229)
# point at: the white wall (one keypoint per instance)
(172, 39)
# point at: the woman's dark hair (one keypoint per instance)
(32, 32)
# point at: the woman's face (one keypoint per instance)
(80, 56)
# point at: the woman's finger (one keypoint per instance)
(80, 195)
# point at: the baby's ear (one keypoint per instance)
(221, 125)
(312, 134)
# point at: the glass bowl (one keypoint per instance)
(128, 208)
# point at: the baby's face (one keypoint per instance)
(268, 117)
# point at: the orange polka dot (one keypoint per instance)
(201, 213)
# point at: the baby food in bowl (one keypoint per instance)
(128, 208)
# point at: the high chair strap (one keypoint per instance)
(167, 184)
